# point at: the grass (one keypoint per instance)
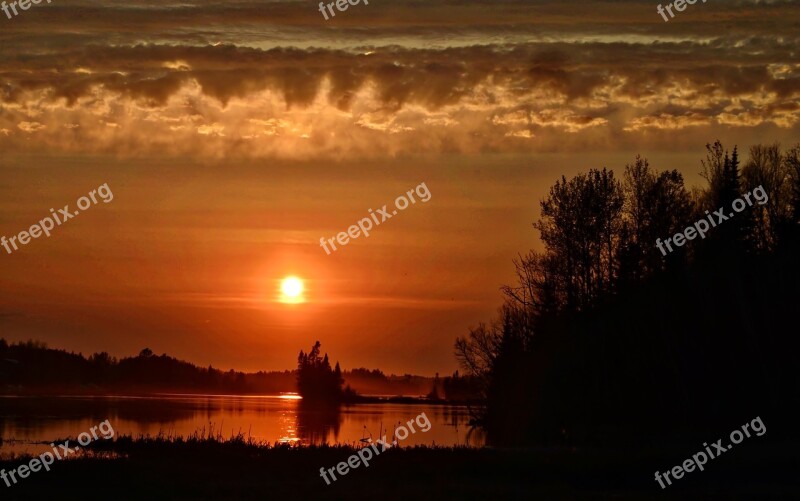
(205, 465)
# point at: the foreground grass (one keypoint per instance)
(200, 467)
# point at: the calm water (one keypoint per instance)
(28, 422)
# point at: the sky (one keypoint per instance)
(234, 135)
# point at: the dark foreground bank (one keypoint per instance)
(236, 469)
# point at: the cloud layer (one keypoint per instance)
(274, 79)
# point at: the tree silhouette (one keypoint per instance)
(580, 227)
(603, 339)
(768, 168)
(656, 205)
(316, 381)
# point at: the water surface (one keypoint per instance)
(28, 424)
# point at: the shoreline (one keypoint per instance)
(133, 393)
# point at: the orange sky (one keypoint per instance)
(235, 135)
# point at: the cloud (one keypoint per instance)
(206, 86)
(29, 126)
(214, 129)
(667, 121)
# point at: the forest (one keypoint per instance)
(603, 340)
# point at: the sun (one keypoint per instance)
(292, 286)
(292, 290)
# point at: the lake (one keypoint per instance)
(28, 424)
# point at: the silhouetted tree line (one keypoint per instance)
(363, 372)
(604, 340)
(32, 366)
(317, 382)
(375, 382)
(461, 388)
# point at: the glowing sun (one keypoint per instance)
(292, 290)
